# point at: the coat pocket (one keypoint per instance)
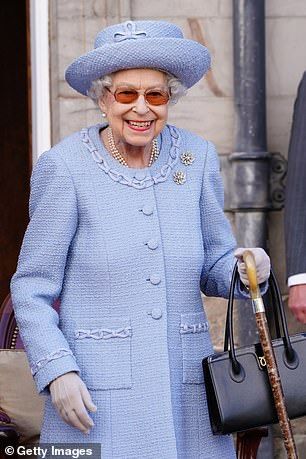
(103, 352)
(196, 345)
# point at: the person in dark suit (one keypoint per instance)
(295, 208)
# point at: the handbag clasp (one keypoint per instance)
(262, 361)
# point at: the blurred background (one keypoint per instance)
(40, 38)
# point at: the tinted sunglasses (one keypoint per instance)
(129, 95)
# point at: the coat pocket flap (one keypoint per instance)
(194, 323)
(196, 344)
(102, 349)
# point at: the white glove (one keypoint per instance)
(262, 261)
(70, 397)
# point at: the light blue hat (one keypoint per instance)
(140, 44)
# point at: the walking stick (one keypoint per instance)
(265, 339)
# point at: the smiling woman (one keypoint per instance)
(159, 89)
(134, 122)
(127, 228)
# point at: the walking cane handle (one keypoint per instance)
(250, 265)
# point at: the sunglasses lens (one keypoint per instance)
(126, 96)
(157, 97)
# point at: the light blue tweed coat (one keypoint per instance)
(127, 251)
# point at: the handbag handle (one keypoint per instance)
(279, 315)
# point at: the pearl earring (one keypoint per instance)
(104, 114)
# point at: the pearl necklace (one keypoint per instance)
(117, 155)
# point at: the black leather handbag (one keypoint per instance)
(239, 396)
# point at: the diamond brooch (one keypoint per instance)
(179, 177)
(187, 158)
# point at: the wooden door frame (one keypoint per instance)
(40, 77)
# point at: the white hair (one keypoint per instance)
(97, 89)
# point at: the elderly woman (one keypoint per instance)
(127, 228)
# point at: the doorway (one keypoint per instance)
(15, 138)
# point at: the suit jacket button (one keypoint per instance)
(155, 279)
(152, 244)
(147, 209)
(156, 313)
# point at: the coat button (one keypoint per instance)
(152, 244)
(155, 279)
(147, 209)
(156, 313)
(140, 175)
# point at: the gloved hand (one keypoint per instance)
(70, 397)
(262, 261)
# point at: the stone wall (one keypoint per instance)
(208, 108)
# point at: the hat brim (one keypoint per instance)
(186, 59)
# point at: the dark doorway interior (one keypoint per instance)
(15, 138)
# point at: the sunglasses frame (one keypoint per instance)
(144, 93)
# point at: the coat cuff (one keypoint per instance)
(51, 367)
(243, 292)
(297, 279)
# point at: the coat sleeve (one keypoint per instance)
(38, 279)
(295, 207)
(218, 239)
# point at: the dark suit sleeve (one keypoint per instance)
(295, 202)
